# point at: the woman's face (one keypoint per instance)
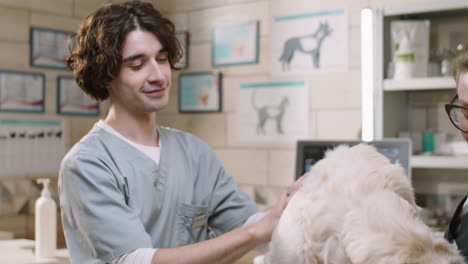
(462, 91)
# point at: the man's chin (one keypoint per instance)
(158, 107)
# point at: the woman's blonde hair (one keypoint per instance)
(460, 63)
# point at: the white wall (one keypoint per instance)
(16, 18)
(267, 169)
(334, 111)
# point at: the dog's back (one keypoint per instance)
(356, 207)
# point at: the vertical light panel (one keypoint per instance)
(367, 74)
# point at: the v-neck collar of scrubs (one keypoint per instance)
(151, 151)
(164, 150)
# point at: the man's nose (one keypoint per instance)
(156, 71)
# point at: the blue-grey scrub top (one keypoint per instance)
(115, 199)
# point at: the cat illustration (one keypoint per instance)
(273, 112)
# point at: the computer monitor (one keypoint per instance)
(398, 150)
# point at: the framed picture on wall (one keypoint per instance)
(313, 42)
(71, 100)
(183, 38)
(200, 92)
(272, 111)
(235, 44)
(48, 48)
(22, 91)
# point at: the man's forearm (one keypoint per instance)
(229, 247)
(226, 248)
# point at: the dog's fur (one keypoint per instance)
(356, 207)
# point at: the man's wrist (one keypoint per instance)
(257, 233)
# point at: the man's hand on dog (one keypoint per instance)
(269, 222)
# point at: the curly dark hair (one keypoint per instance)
(96, 47)
(460, 63)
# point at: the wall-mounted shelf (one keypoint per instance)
(439, 162)
(432, 83)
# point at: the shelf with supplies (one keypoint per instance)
(403, 98)
(429, 83)
(439, 162)
(409, 82)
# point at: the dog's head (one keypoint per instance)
(363, 169)
(381, 225)
(356, 207)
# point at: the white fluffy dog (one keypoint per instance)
(356, 207)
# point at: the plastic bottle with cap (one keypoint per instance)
(45, 223)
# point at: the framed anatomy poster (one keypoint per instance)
(71, 100)
(200, 92)
(183, 38)
(49, 48)
(272, 111)
(235, 44)
(309, 43)
(22, 91)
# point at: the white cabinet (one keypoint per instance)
(413, 105)
(417, 104)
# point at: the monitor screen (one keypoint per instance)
(309, 152)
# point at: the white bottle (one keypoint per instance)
(45, 223)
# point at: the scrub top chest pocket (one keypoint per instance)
(192, 223)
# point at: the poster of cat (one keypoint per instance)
(272, 111)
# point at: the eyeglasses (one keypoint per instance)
(458, 114)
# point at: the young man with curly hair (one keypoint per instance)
(135, 192)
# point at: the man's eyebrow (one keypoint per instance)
(133, 57)
(137, 56)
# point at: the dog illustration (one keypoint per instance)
(355, 207)
(297, 44)
(275, 113)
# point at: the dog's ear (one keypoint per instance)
(318, 175)
(396, 181)
(336, 151)
(422, 246)
(375, 231)
(442, 247)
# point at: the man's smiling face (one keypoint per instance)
(143, 82)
